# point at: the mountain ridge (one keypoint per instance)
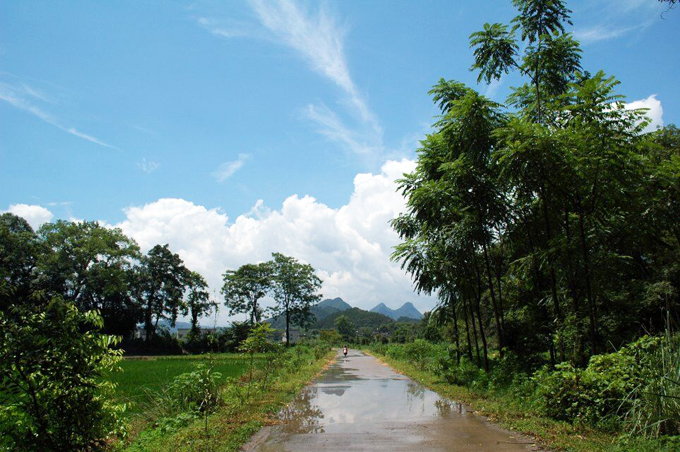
(406, 310)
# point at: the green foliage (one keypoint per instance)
(600, 393)
(196, 390)
(330, 337)
(258, 339)
(198, 303)
(295, 289)
(345, 328)
(91, 266)
(19, 251)
(655, 402)
(548, 229)
(358, 317)
(141, 383)
(160, 284)
(243, 288)
(53, 397)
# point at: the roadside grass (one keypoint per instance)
(238, 416)
(506, 411)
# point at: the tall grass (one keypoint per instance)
(655, 405)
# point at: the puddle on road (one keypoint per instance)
(360, 404)
(375, 393)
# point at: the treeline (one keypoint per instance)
(548, 225)
(100, 269)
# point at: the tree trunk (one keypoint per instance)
(287, 327)
(494, 303)
(474, 332)
(455, 330)
(483, 335)
(467, 328)
(551, 264)
(589, 292)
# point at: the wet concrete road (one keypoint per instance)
(360, 404)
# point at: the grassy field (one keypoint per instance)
(140, 379)
(237, 417)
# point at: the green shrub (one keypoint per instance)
(655, 402)
(420, 353)
(599, 394)
(52, 363)
(197, 390)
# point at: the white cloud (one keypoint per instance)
(227, 169)
(349, 246)
(148, 166)
(18, 97)
(654, 111)
(35, 215)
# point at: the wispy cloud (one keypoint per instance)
(318, 38)
(616, 19)
(148, 166)
(227, 169)
(225, 29)
(334, 129)
(24, 98)
(605, 32)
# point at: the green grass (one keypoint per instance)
(141, 378)
(234, 422)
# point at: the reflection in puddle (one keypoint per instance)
(368, 406)
(302, 416)
(338, 390)
(333, 403)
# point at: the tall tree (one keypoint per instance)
(160, 284)
(92, 266)
(557, 210)
(20, 248)
(295, 289)
(243, 288)
(345, 328)
(197, 303)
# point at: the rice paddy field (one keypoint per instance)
(141, 379)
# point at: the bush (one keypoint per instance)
(196, 390)
(464, 374)
(655, 403)
(598, 394)
(52, 363)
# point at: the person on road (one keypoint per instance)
(344, 350)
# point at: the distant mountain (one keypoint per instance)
(337, 303)
(406, 310)
(384, 310)
(358, 317)
(321, 310)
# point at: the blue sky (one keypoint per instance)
(279, 123)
